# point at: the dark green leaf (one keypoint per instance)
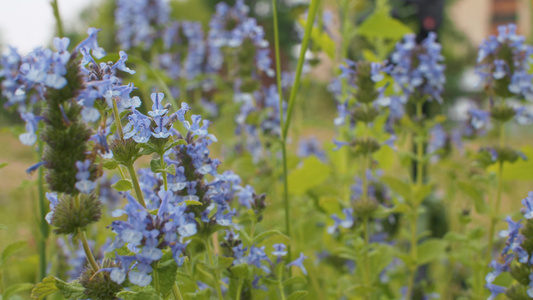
(155, 165)
(70, 290)
(224, 262)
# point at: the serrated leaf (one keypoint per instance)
(44, 288)
(70, 290)
(476, 195)
(3, 165)
(10, 250)
(431, 250)
(17, 288)
(295, 280)
(122, 185)
(298, 295)
(110, 164)
(312, 173)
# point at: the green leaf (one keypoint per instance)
(170, 169)
(192, 202)
(175, 143)
(201, 295)
(17, 288)
(381, 25)
(241, 271)
(224, 262)
(421, 193)
(3, 165)
(70, 290)
(298, 295)
(10, 250)
(155, 164)
(476, 195)
(431, 250)
(312, 173)
(400, 187)
(110, 164)
(264, 235)
(146, 294)
(295, 280)
(166, 271)
(44, 288)
(122, 185)
(380, 258)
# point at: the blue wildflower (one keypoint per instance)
(83, 183)
(299, 263)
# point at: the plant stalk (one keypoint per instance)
(216, 274)
(88, 252)
(176, 292)
(415, 205)
(136, 185)
(57, 16)
(42, 222)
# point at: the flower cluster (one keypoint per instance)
(504, 64)
(139, 22)
(515, 256)
(417, 70)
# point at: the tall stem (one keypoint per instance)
(281, 125)
(43, 225)
(57, 16)
(88, 252)
(415, 205)
(313, 7)
(366, 228)
(216, 274)
(280, 284)
(239, 288)
(498, 200)
(164, 174)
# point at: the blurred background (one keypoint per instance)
(461, 24)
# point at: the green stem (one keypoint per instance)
(281, 125)
(121, 172)
(164, 174)
(43, 224)
(57, 16)
(280, 284)
(497, 202)
(176, 292)
(156, 279)
(136, 185)
(415, 205)
(216, 273)
(117, 119)
(239, 288)
(366, 227)
(305, 43)
(88, 252)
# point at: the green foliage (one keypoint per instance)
(312, 173)
(10, 250)
(122, 185)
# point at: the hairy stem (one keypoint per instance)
(88, 252)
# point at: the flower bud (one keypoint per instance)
(69, 216)
(100, 286)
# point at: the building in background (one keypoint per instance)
(479, 18)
